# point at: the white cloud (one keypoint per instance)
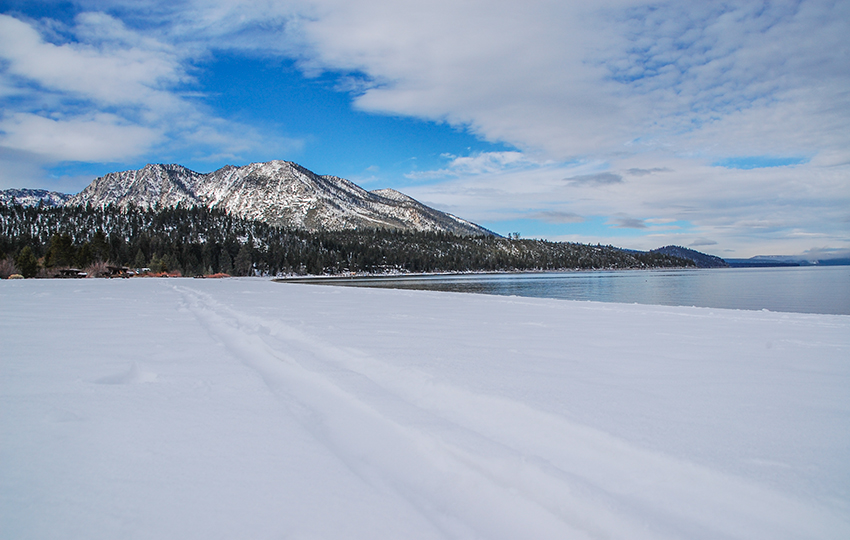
(100, 137)
(575, 79)
(477, 164)
(511, 71)
(596, 178)
(119, 74)
(101, 91)
(751, 211)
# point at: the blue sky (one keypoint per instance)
(719, 127)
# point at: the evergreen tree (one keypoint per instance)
(158, 265)
(27, 263)
(139, 261)
(225, 264)
(84, 256)
(168, 263)
(242, 264)
(99, 246)
(61, 251)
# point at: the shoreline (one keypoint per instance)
(779, 289)
(365, 276)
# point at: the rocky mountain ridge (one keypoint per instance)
(33, 197)
(280, 193)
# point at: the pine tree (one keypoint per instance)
(139, 261)
(27, 263)
(99, 246)
(61, 251)
(225, 264)
(242, 264)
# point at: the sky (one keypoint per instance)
(722, 127)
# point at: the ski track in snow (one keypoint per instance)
(479, 466)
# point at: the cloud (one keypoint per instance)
(477, 164)
(574, 79)
(604, 178)
(96, 90)
(104, 100)
(98, 137)
(703, 242)
(117, 68)
(553, 216)
(728, 206)
(625, 222)
(645, 172)
(826, 253)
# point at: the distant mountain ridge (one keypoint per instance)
(33, 197)
(767, 261)
(280, 193)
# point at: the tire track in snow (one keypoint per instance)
(482, 466)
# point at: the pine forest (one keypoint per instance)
(196, 241)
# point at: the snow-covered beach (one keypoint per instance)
(242, 408)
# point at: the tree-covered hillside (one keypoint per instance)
(198, 241)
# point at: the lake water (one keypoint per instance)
(809, 289)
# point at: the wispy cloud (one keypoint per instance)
(65, 90)
(96, 90)
(554, 216)
(605, 178)
(477, 164)
(702, 242)
(111, 67)
(646, 172)
(626, 222)
(84, 137)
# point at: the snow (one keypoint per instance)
(243, 408)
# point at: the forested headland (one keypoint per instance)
(39, 241)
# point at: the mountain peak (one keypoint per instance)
(278, 192)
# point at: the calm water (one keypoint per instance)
(812, 289)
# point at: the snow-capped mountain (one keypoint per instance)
(278, 192)
(32, 197)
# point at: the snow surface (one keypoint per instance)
(242, 408)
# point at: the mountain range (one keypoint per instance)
(33, 197)
(280, 193)
(285, 194)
